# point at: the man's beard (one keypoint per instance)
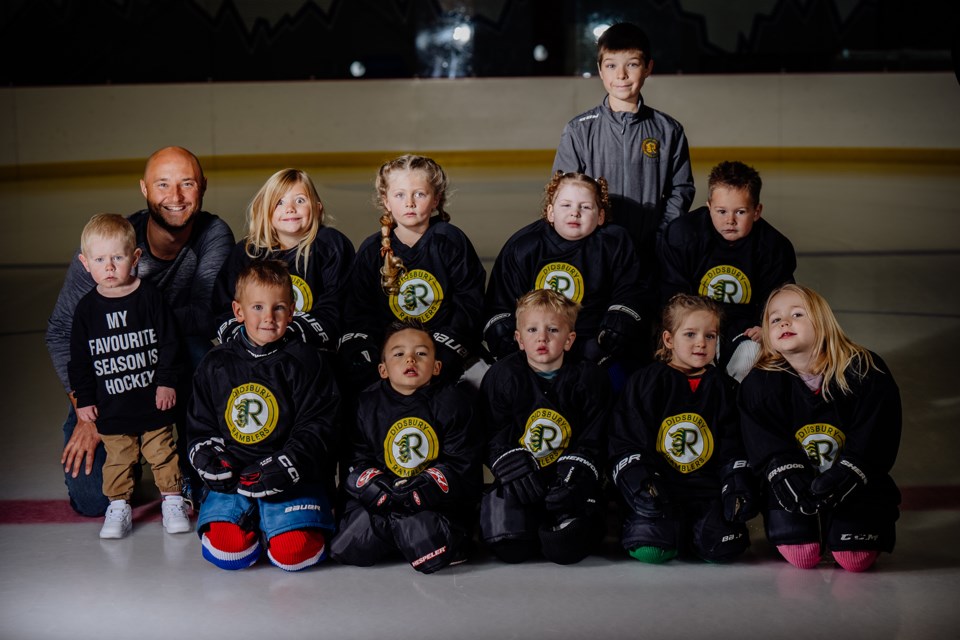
(158, 218)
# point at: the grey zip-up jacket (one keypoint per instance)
(645, 159)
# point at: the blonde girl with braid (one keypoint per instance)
(418, 266)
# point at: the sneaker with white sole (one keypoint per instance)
(175, 516)
(119, 520)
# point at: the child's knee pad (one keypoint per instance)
(297, 549)
(230, 547)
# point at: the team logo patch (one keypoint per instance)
(822, 443)
(419, 297)
(726, 284)
(563, 278)
(546, 435)
(302, 295)
(410, 446)
(251, 413)
(439, 478)
(685, 441)
(651, 147)
(367, 476)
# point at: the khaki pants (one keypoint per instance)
(123, 453)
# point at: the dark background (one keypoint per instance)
(80, 42)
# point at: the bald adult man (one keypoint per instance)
(183, 249)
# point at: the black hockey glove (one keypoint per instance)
(305, 327)
(451, 356)
(641, 486)
(739, 493)
(268, 476)
(422, 492)
(374, 490)
(519, 474)
(218, 469)
(359, 358)
(618, 326)
(593, 352)
(229, 330)
(832, 486)
(790, 483)
(498, 336)
(574, 491)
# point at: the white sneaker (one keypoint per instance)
(175, 518)
(119, 520)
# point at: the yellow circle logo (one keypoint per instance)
(685, 441)
(251, 413)
(302, 295)
(419, 297)
(410, 446)
(726, 284)
(563, 278)
(546, 435)
(822, 443)
(651, 147)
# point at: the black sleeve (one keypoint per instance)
(224, 287)
(80, 366)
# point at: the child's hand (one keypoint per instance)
(87, 414)
(424, 491)
(753, 333)
(166, 398)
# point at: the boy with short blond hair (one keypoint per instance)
(545, 419)
(124, 364)
(262, 434)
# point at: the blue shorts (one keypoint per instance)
(304, 507)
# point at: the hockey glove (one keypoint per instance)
(268, 476)
(217, 468)
(359, 358)
(574, 491)
(422, 492)
(739, 492)
(229, 330)
(790, 483)
(618, 326)
(375, 492)
(305, 327)
(498, 336)
(832, 486)
(641, 486)
(519, 474)
(451, 356)
(594, 353)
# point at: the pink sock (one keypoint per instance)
(802, 556)
(855, 561)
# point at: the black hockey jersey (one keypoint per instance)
(782, 417)
(695, 259)
(567, 415)
(687, 435)
(443, 288)
(261, 400)
(403, 435)
(121, 349)
(600, 272)
(317, 289)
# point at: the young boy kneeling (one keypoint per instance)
(262, 436)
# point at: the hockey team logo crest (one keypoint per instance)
(302, 295)
(685, 441)
(410, 446)
(546, 435)
(726, 284)
(419, 297)
(251, 413)
(651, 147)
(822, 443)
(563, 278)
